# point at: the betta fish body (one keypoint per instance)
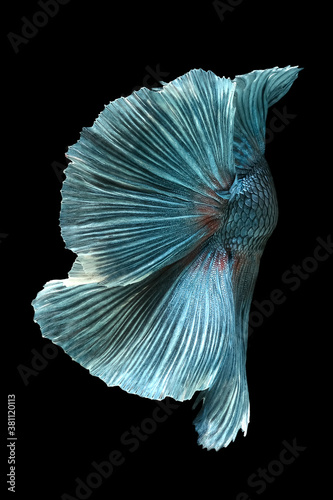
(168, 203)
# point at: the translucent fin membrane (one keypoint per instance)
(140, 191)
(255, 93)
(164, 336)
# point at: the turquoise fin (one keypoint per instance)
(140, 191)
(164, 336)
(255, 93)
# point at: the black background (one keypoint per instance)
(88, 54)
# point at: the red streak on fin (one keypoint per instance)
(210, 209)
(212, 259)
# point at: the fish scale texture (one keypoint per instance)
(168, 203)
(253, 212)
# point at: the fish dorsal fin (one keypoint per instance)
(255, 93)
(141, 189)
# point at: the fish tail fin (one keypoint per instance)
(226, 406)
(153, 338)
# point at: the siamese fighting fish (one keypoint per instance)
(168, 203)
